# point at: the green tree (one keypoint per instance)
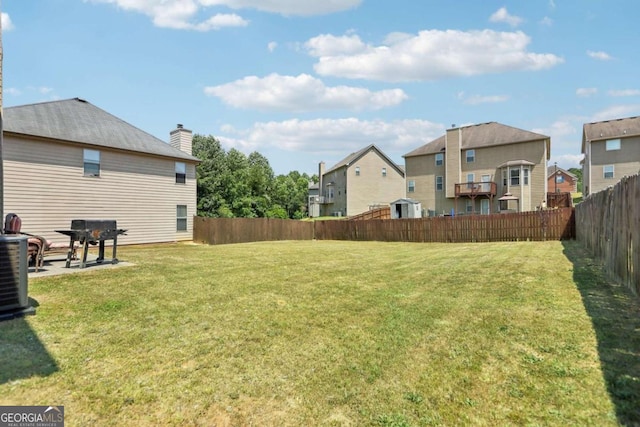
(231, 184)
(260, 181)
(577, 172)
(209, 175)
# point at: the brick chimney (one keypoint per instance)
(181, 139)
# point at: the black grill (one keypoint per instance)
(92, 231)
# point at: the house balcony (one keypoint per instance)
(475, 189)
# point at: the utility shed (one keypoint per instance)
(406, 208)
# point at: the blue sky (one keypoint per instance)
(304, 81)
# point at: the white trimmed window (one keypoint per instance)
(412, 186)
(471, 156)
(470, 179)
(181, 173)
(608, 171)
(384, 171)
(357, 170)
(91, 160)
(613, 144)
(515, 176)
(439, 159)
(181, 218)
(439, 183)
(525, 176)
(469, 206)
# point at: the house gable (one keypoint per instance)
(143, 183)
(440, 170)
(362, 179)
(78, 121)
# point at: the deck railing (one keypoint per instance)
(472, 189)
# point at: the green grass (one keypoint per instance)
(327, 333)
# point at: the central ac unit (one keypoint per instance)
(14, 270)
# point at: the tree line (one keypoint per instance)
(232, 184)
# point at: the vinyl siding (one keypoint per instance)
(626, 162)
(371, 188)
(45, 185)
(453, 160)
(337, 180)
(423, 171)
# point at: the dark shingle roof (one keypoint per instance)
(76, 120)
(610, 129)
(481, 135)
(347, 161)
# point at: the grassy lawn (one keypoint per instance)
(330, 334)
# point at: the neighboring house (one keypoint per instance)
(313, 207)
(69, 159)
(611, 150)
(359, 182)
(470, 168)
(561, 181)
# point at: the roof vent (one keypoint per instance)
(81, 100)
(179, 126)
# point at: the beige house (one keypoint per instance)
(469, 169)
(611, 150)
(359, 182)
(69, 159)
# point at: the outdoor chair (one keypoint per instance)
(38, 246)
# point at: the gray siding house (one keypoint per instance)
(69, 159)
(611, 150)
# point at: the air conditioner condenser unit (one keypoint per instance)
(14, 269)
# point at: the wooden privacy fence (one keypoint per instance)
(608, 224)
(378, 213)
(217, 231)
(553, 224)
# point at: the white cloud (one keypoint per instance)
(601, 56)
(566, 161)
(429, 55)
(546, 21)
(586, 91)
(7, 25)
(616, 112)
(565, 134)
(624, 92)
(301, 93)
(480, 99)
(12, 91)
(328, 45)
(559, 128)
(502, 15)
(272, 46)
(333, 135)
(288, 7)
(178, 14)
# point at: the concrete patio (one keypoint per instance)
(54, 265)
